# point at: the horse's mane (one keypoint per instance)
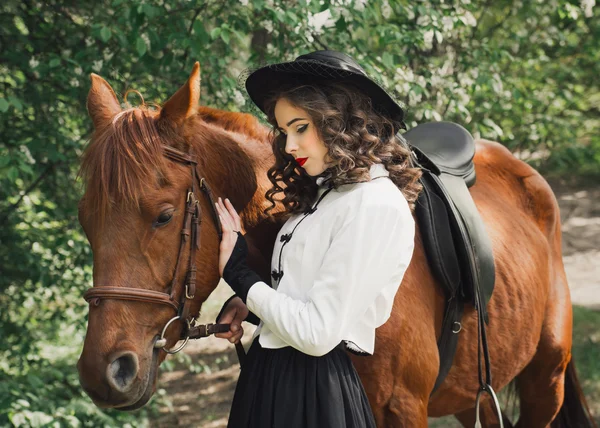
(126, 157)
(242, 123)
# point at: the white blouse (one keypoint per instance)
(341, 269)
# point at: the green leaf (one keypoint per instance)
(292, 17)
(105, 34)
(225, 37)
(15, 102)
(26, 169)
(388, 60)
(12, 173)
(150, 11)
(340, 24)
(140, 46)
(239, 36)
(4, 105)
(215, 32)
(200, 32)
(54, 62)
(4, 160)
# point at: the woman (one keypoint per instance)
(348, 187)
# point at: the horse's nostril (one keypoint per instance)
(122, 371)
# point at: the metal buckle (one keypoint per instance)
(187, 296)
(190, 195)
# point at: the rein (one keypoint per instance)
(190, 232)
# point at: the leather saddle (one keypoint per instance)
(456, 243)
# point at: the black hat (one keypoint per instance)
(321, 66)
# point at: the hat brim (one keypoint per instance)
(266, 81)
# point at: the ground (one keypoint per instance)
(196, 388)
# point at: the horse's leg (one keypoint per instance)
(541, 383)
(395, 400)
(399, 377)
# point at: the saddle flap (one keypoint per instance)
(449, 220)
(436, 234)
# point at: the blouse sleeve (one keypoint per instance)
(370, 251)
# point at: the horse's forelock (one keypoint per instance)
(123, 160)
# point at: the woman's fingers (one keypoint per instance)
(237, 336)
(227, 227)
(229, 215)
(234, 215)
(227, 318)
(224, 215)
(232, 336)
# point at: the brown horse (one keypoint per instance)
(133, 211)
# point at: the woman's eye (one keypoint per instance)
(163, 218)
(302, 128)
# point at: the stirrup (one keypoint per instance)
(487, 388)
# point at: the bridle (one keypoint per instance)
(190, 232)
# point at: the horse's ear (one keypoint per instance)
(184, 102)
(102, 103)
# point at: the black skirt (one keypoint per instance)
(285, 388)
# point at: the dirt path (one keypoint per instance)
(197, 392)
(580, 216)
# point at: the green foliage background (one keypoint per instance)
(524, 73)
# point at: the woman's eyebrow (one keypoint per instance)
(295, 120)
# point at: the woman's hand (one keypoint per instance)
(233, 252)
(234, 313)
(231, 224)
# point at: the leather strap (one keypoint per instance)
(207, 190)
(132, 294)
(200, 331)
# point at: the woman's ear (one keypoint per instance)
(184, 102)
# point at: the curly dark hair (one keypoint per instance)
(356, 137)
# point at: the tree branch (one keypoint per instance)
(491, 30)
(190, 28)
(4, 213)
(320, 43)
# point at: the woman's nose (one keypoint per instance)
(290, 146)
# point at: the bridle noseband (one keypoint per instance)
(190, 232)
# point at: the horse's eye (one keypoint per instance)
(163, 218)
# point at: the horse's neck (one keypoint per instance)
(247, 155)
(237, 155)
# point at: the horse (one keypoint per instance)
(150, 176)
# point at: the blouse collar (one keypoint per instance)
(376, 170)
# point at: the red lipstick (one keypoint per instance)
(301, 161)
